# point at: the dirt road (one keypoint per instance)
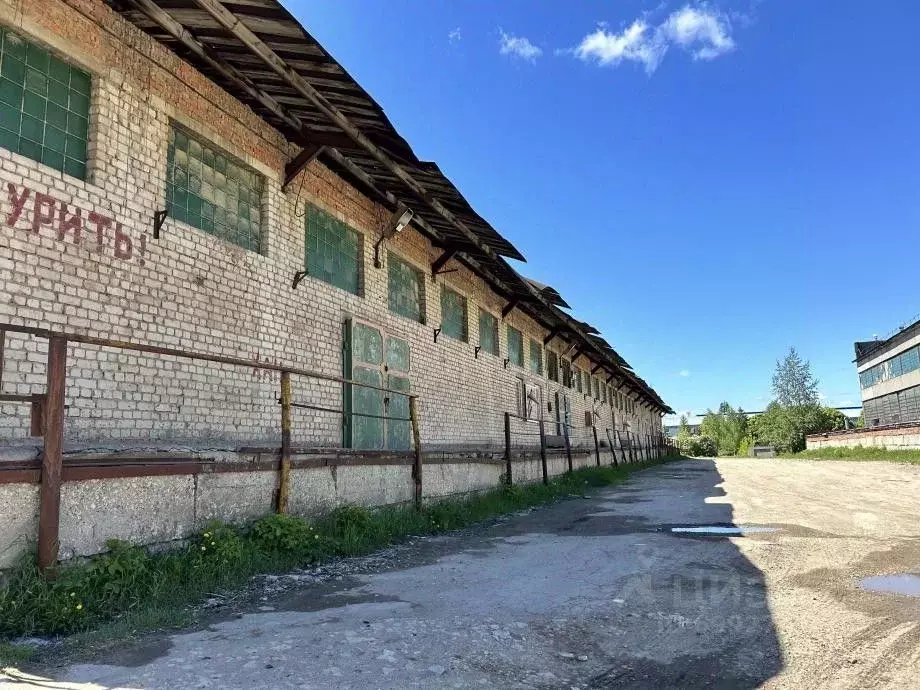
(596, 592)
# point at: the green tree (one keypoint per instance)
(795, 412)
(832, 420)
(683, 432)
(793, 383)
(727, 428)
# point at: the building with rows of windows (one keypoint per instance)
(165, 182)
(889, 377)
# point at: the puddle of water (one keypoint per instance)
(905, 584)
(723, 530)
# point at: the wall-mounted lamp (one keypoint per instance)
(506, 362)
(398, 221)
(298, 276)
(401, 217)
(476, 351)
(437, 332)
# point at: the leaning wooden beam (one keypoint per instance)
(509, 307)
(301, 160)
(442, 260)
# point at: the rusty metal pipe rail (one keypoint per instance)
(47, 420)
(190, 354)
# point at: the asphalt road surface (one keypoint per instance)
(594, 592)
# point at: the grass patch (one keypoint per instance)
(857, 453)
(128, 590)
(14, 654)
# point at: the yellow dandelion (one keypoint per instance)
(79, 606)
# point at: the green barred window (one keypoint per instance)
(488, 332)
(597, 389)
(406, 289)
(333, 251)
(576, 375)
(208, 189)
(552, 366)
(454, 321)
(515, 347)
(44, 105)
(565, 371)
(536, 357)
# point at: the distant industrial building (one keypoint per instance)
(889, 377)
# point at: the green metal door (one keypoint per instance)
(373, 419)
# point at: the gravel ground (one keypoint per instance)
(588, 593)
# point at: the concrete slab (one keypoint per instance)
(19, 517)
(143, 510)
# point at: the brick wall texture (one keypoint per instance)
(190, 290)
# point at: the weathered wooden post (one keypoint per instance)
(284, 484)
(597, 448)
(543, 452)
(52, 458)
(613, 452)
(508, 448)
(417, 446)
(568, 444)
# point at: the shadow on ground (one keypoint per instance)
(591, 592)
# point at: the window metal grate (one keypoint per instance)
(333, 251)
(552, 366)
(515, 346)
(488, 332)
(406, 289)
(454, 318)
(536, 357)
(211, 191)
(44, 106)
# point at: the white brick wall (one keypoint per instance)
(190, 290)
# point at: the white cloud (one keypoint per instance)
(636, 43)
(684, 372)
(454, 36)
(518, 46)
(705, 33)
(702, 31)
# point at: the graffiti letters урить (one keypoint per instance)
(33, 211)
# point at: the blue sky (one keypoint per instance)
(707, 183)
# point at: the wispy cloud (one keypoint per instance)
(519, 46)
(683, 372)
(454, 36)
(700, 30)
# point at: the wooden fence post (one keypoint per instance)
(508, 448)
(613, 452)
(597, 448)
(543, 452)
(284, 484)
(52, 457)
(417, 446)
(568, 443)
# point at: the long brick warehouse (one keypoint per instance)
(206, 178)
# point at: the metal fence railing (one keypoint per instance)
(607, 444)
(47, 412)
